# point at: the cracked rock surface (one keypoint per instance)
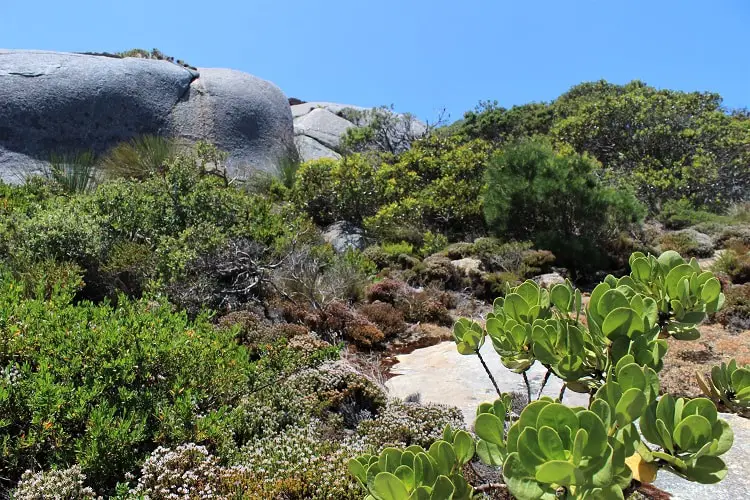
(64, 102)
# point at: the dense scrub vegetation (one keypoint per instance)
(166, 330)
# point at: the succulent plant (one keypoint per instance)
(469, 336)
(683, 293)
(729, 384)
(416, 473)
(509, 326)
(555, 451)
(691, 437)
(627, 431)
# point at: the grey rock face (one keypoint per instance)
(310, 149)
(323, 126)
(467, 265)
(549, 280)
(63, 102)
(343, 235)
(319, 127)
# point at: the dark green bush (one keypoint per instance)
(558, 201)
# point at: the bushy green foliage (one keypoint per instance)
(333, 190)
(416, 472)
(557, 200)
(680, 214)
(671, 144)
(68, 231)
(100, 386)
(437, 185)
(496, 124)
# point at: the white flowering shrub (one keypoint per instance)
(404, 424)
(188, 471)
(302, 462)
(59, 484)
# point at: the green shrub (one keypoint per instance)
(679, 214)
(557, 200)
(395, 250)
(432, 243)
(66, 232)
(101, 387)
(667, 144)
(437, 185)
(334, 190)
(139, 158)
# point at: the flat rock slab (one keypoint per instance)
(442, 375)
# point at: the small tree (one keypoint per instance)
(557, 200)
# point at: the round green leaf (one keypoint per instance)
(707, 470)
(630, 406)
(386, 486)
(557, 472)
(490, 428)
(692, 433)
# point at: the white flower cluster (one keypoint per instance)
(62, 484)
(403, 424)
(302, 452)
(10, 375)
(188, 471)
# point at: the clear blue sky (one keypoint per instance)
(418, 55)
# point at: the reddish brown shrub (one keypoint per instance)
(336, 316)
(388, 290)
(426, 307)
(363, 333)
(389, 319)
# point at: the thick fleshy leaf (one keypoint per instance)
(463, 445)
(692, 433)
(707, 470)
(387, 486)
(557, 472)
(630, 406)
(443, 489)
(357, 470)
(551, 444)
(490, 428)
(521, 482)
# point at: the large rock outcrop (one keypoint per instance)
(52, 102)
(320, 126)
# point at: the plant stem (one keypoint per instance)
(544, 382)
(562, 392)
(528, 387)
(489, 373)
